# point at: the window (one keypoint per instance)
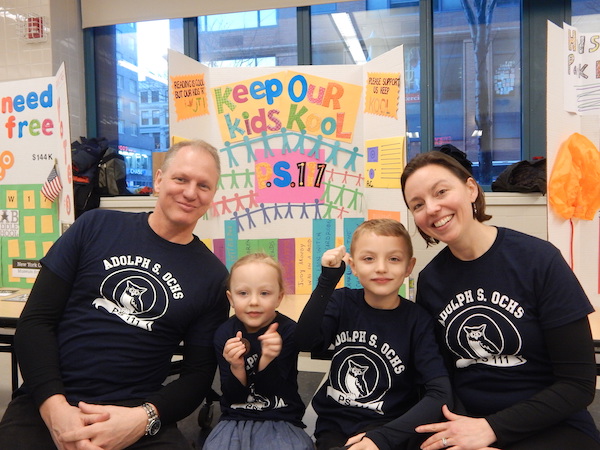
(238, 21)
(477, 102)
(586, 15)
(224, 42)
(145, 117)
(464, 86)
(377, 31)
(132, 86)
(134, 71)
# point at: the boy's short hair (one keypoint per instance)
(383, 227)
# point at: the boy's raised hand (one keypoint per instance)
(334, 257)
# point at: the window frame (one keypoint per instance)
(534, 17)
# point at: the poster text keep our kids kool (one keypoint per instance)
(290, 100)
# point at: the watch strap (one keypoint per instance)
(152, 418)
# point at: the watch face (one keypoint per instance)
(154, 427)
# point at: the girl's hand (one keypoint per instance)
(234, 351)
(334, 257)
(459, 433)
(271, 345)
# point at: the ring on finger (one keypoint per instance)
(445, 442)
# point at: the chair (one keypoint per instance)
(7, 340)
(597, 354)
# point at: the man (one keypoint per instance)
(116, 295)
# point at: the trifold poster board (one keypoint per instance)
(578, 239)
(34, 142)
(307, 154)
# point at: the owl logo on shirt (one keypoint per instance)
(355, 379)
(481, 346)
(134, 296)
(359, 377)
(483, 335)
(131, 298)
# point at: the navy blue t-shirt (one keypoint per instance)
(135, 296)
(492, 313)
(380, 357)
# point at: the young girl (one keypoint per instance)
(383, 346)
(260, 405)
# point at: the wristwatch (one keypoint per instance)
(153, 424)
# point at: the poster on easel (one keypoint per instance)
(36, 193)
(573, 108)
(307, 154)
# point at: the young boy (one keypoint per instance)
(384, 348)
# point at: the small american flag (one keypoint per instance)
(53, 185)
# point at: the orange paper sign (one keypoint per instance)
(189, 94)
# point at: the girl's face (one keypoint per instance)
(254, 294)
(381, 263)
(441, 203)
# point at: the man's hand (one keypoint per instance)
(62, 419)
(124, 427)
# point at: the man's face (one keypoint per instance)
(186, 188)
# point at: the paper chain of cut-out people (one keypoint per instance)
(244, 208)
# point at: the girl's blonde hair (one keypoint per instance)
(258, 257)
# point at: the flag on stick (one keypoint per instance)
(53, 185)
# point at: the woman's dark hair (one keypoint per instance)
(449, 163)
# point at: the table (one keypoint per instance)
(10, 310)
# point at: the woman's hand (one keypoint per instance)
(459, 433)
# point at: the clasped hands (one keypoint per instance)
(92, 427)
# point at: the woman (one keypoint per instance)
(512, 319)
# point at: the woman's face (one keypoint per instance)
(440, 202)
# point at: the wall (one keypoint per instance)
(521, 212)
(22, 59)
